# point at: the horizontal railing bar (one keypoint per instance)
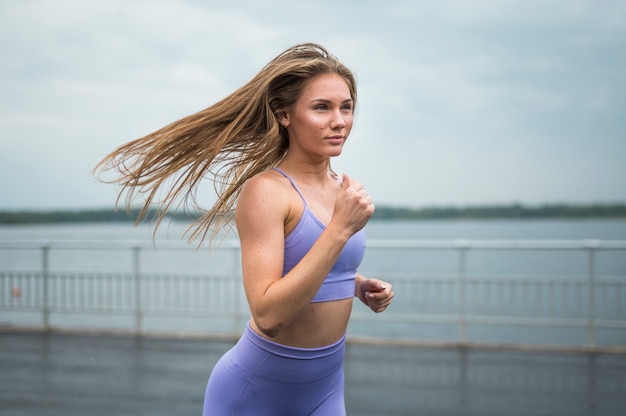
(231, 244)
(110, 245)
(498, 244)
(492, 320)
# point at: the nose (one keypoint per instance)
(338, 120)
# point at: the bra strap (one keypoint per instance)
(293, 183)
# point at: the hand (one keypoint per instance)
(376, 294)
(353, 206)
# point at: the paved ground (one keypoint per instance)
(68, 374)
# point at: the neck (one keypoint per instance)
(306, 167)
(306, 171)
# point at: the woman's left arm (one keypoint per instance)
(374, 293)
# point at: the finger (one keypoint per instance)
(377, 286)
(345, 180)
(380, 300)
(381, 306)
(374, 301)
(378, 308)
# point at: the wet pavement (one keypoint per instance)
(59, 374)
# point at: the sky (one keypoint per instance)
(461, 103)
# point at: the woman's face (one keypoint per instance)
(321, 120)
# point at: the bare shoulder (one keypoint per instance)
(264, 197)
(265, 187)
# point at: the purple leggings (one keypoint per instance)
(262, 378)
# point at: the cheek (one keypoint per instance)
(310, 122)
(349, 123)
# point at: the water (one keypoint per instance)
(500, 229)
(431, 230)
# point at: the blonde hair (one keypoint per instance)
(228, 142)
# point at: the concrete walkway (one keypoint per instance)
(76, 374)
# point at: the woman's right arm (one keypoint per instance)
(262, 210)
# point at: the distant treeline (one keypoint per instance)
(515, 211)
(503, 212)
(82, 216)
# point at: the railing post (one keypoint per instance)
(238, 288)
(591, 249)
(45, 273)
(137, 280)
(462, 247)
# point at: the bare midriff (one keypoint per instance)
(323, 323)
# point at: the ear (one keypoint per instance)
(283, 118)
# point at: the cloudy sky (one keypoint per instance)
(461, 102)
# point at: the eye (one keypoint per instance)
(321, 107)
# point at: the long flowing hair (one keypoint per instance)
(226, 143)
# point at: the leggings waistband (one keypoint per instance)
(293, 352)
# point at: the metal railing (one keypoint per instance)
(463, 304)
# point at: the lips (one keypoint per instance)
(336, 139)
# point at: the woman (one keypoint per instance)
(268, 148)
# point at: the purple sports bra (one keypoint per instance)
(339, 284)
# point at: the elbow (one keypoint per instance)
(269, 326)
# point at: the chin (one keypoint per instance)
(336, 151)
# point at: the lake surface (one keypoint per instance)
(427, 229)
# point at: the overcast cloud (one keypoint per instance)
(460, 102)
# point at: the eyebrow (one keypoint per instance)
(327, 101)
